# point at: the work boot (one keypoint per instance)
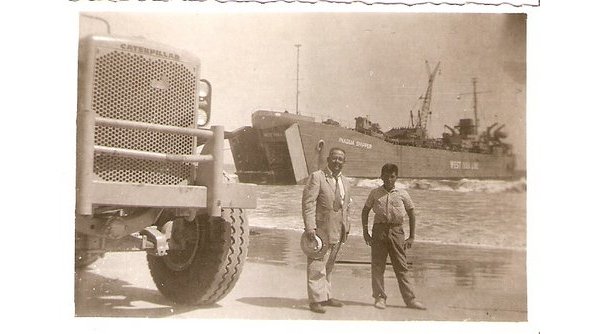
(380, 303)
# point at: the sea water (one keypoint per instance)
(482, 213)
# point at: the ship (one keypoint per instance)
(284, 148)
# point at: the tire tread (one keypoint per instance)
(216, 268)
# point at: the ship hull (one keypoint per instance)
(365, 155)
(274, 151)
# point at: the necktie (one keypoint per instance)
(337, 202)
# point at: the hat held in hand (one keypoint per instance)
(313, 248)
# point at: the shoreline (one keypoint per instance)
(287, 241)
(455, 283)
(432, 242)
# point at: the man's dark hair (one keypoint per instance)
(337, 149)
(389, 168)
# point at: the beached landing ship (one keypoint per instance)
(284, 148)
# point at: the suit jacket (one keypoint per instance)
(317, 207)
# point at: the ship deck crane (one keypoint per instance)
(425, 110)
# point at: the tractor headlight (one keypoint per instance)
(204, 94)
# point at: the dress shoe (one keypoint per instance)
(380, 303)
(317, 308)
(416, 305)
(332, 302)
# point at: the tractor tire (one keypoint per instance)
(208, 270)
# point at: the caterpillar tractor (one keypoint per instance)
(150, 173)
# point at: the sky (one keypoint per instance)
(349, 64)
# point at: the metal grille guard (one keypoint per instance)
(209, 190)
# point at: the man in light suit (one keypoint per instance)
(325, 203)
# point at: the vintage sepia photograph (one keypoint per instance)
(301, 166)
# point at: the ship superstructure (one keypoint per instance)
(283, 148)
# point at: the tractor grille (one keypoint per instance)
(140, 88)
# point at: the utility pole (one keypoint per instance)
(475, 105)
(297, 75)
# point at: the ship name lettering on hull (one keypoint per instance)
(464, 165)
(354, 143)
(272, 134)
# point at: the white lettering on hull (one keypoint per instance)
(355, 143)
(464, 165)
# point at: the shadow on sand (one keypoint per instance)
(99, 296)
(296, 304)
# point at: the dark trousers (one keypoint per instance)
(389, 240)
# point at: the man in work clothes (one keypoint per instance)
(325, 202)
(391, 206)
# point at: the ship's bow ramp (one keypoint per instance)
(296, 151)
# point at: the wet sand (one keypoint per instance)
(455, 283)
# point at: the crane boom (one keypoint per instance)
(425, 111)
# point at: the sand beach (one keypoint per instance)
(456, 283)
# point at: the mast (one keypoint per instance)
(475, 105)
(474, 93)
(425, 112)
